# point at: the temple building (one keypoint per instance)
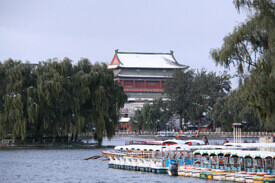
(142, 75)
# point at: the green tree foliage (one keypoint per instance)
(15, 78)
(250, 40)
(55, 98)
(179, 90)
(152, 117)
(207, 87)
(137, 120)
(251, 47)
(192, 95)
(232, 108)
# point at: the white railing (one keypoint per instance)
(171, 133)
(244, 134)
(125, 133)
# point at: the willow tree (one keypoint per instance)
(232, 108)
(250, 47)
(16, 78)
(49, 99)
(106, 98)
(44, 106)
(78, 114)
(55, 97)
(3, 125)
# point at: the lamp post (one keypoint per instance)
(237, 132)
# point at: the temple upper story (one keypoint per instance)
(143, 74)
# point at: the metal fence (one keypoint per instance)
(230, 134)
(209, 134)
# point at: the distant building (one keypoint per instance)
(142, 75)
(206, 128)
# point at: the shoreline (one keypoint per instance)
(48, 146)
(83, 143)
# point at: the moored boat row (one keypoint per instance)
(232, 163)
(223, 175)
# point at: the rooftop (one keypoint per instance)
(145, 60)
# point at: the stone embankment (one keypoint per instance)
(208, 134)
(266, 137)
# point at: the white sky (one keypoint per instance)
(37, 30)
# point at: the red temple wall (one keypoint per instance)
(141, 86)
(128, 83)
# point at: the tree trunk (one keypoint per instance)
(199, 126)
(76, 137)
(37, 133)
(72, 137)
(99, 141)
(181, 128)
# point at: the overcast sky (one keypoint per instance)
(38, 30)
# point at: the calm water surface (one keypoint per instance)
(67, 165)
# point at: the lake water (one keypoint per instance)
(68, 165)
